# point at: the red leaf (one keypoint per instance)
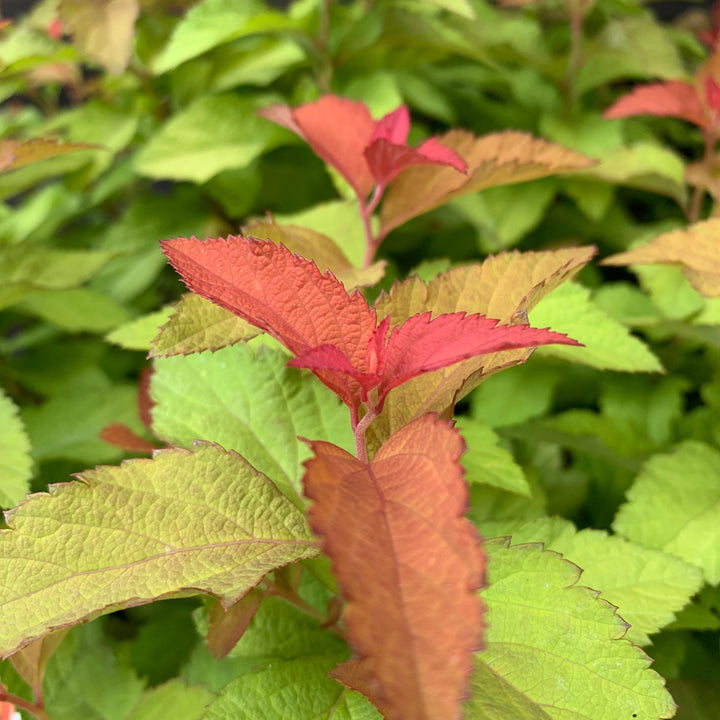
(422, 345)
(365, 152)
(331, 332)
(338, 130)
(673, 98)
(285, 295)
(408, 563)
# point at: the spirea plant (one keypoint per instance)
(373, 431)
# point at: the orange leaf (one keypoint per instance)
(496, 159)
(15, 154)
(696, 250)
(407, 562)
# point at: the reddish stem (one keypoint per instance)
(35, 708)
(360, 430)
(366, 212)
(695, 206)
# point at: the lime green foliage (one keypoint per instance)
(487, 462)
(15, 461)
(224, 551)
(198, 325)
(138, 334)
(215, 133)
(250, 402)
(608, 345)
(646, 586)
(596, 672)
(674, 506)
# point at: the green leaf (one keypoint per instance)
(25, 268)
(647, 587)
(674, 506)
(486, 462)
(299, 689)
(629, 47)
(213, 134)
(247, 401)
(68, 425)
(460, 7)
(202, 521)
(172, 701)
(75, 310)
(15, 461)
(196, 325)
(212, 23)
(138, 334)
(608, 345)
(558, 644)
(530, 386)
(339, 220)
(669, 290)
(644, 165)
(288, 656)
(492, 697)
(258, 61)
(493, 212)
(86, 679)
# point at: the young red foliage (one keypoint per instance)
(673, 98)
(408, 563)
(365, 152)
(331, 332)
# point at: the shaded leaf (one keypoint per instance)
(495, 159)
(104, 31)
(198, 324)
(103, 561)
(15, 460)
(23, 269)
(545, 625)
(695, 249)
(174, 700)
(227, 626)
(86, 678)
(126, 439)
(247, 401)
(606, 343)
(31, 661)
(82, 413)
(396, 525)
(674, 506)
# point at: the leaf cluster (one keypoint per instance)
(324, 477)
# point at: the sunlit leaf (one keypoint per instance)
(221, 527)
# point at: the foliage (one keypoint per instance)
(330, 480)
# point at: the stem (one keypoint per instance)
(366, 212)
(695, 206)
(296, 601)
(324, 75)
(577, 16)
(360, 430)
(35, 708)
